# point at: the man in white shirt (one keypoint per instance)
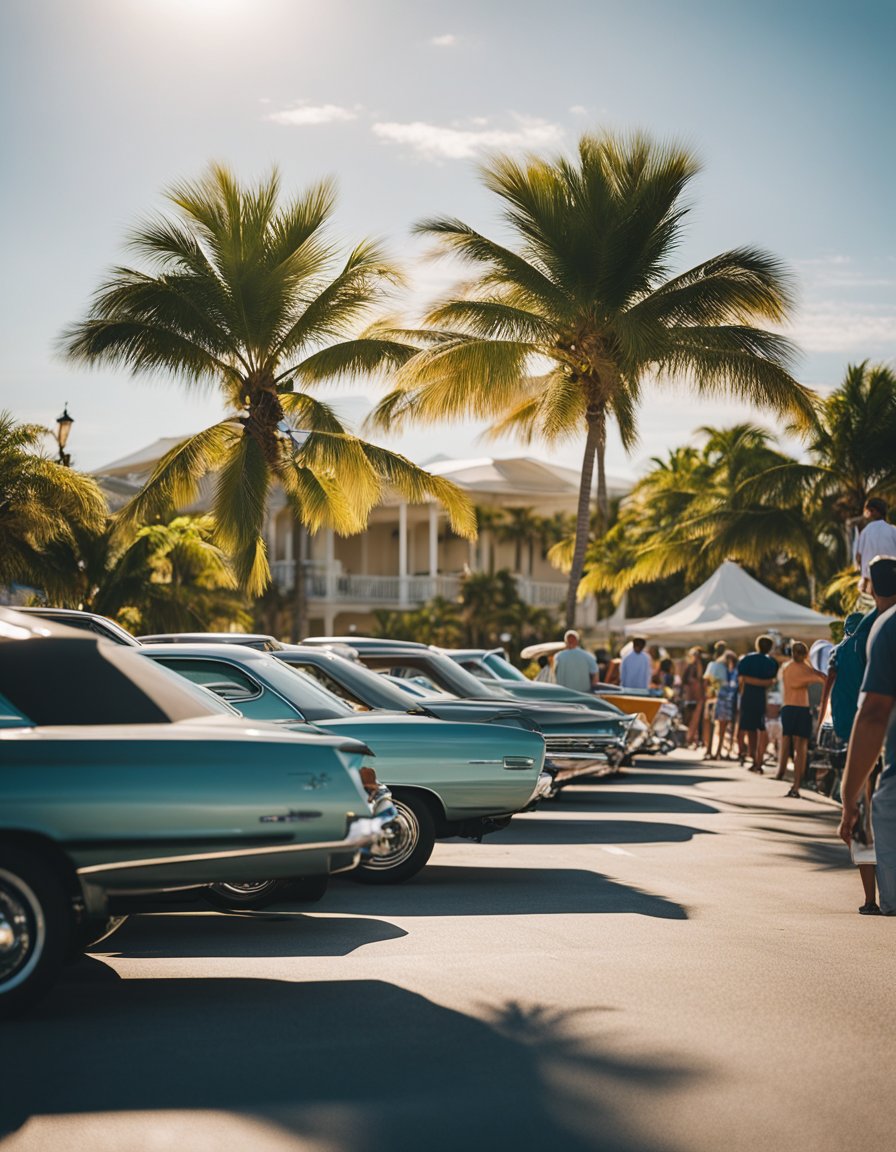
(634, 672)
(573, 666)
(877, 538)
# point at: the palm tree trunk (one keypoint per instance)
(603, 502)
(582, 525)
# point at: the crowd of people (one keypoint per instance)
(764, 707)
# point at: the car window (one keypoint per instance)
(223, 679)
(441, 671)
(476, 669)
(10, 716)
(333, 686)
(502, 668)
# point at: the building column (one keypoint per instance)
(433, 541)
(330, 563)
(402, 553)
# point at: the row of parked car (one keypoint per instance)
(249, 771)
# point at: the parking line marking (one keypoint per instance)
(614, 851)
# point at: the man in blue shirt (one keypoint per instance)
(636, 667)
(573, 666)
(756, 672)
(875, 724)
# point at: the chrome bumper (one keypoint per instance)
(542, 789)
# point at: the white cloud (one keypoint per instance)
(305, 114)
(832, 326)
(440, 142)
(448, 40)
(579, 110)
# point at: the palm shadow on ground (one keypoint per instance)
(545, 831)
(653, 777)
(356, 1065)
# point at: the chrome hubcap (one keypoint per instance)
(249, 888)
(403, 835)
(22, 931)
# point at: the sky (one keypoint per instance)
(106, 103)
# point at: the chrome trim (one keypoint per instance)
(485, 761)
(361, 832)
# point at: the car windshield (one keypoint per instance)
(314, 701)
(436, 667)
(502, 668)
(346, 679)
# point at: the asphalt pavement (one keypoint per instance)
(669, 961)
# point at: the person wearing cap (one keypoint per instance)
(574, 667)
(875, 725)
(877, 538)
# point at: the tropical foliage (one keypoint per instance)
(42, 504)
(556, 335)
(162, 578)
(244, 292)
(488, 607)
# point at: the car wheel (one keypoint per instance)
(235, 896)
(35, 927)
(412, 837)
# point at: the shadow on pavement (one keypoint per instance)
(672, 779)
(617, 801)
(826, 857)
(354, 1066)
(447, 890)
(286, 932)
(545, 831)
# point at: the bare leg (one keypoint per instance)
(753, 744)
(869, 882)
(722, 729)
(783, 750)
(801, 748)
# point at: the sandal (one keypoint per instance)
(792, 794)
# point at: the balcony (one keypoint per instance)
(334, 587)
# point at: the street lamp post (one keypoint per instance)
(63, 427)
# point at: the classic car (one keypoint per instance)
(492, 665)
(91, 810)
(580, 740)
(445, 780)
(86, 622)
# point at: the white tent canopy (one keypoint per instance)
(731, 605)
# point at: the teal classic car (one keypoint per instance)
(445, 779)
(582, 739)
(98, 810)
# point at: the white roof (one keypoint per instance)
(143, 460)
(730, 605)
(517, 476)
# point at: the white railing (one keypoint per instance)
(334, 585)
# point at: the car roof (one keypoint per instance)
(240, 653)
(84, 621)
(244, 639)
(473, 652)
(364, 643)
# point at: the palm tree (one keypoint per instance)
(698, 507)
(556, 336)
(243, 292)
(41, 503)
(162, 578)
(851, 449)
(521, 526)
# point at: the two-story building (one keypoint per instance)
(408, 554)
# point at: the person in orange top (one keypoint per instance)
(796, 716)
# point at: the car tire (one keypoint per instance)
(413, 835)
(248, 896)
(35, 928)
